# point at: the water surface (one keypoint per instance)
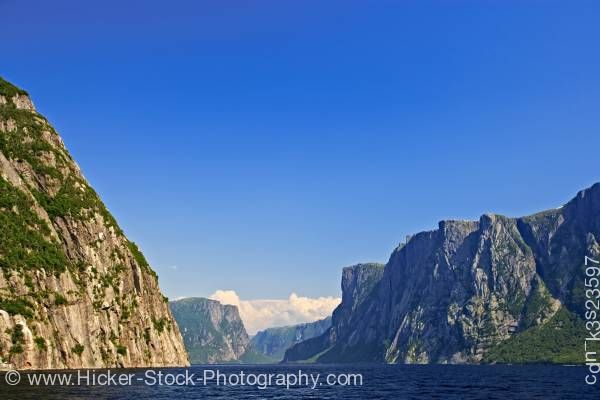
(379, 382)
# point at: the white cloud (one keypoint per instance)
(261, 314)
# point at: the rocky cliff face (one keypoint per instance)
(273, 342)
(497, 289)
(358, 282)
(74, 291)
(212, 332)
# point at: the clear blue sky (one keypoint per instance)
(262, 146)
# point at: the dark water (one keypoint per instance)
(379, 382)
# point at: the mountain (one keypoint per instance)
(212, 332)
(494, 290)
(74, 291)
(357, 282)
(273, 342)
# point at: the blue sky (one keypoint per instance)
(262, 146)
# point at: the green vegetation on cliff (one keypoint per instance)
(538, 305)
(17, 306)
(560, 340)
(9, 90)
(77, 200)
(25, 241)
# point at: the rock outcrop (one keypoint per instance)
(74, 291)
(212, 332)
(498, 289)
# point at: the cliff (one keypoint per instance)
(212, 332)
(495, 290)
(357, 283)
(74, 291)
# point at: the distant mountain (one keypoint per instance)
(273, 342)
(75, 292)
(212, 332)
(495, 290)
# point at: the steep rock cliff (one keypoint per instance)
(212, 332)
(497, 289)
(74, 291)
(357, 283)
